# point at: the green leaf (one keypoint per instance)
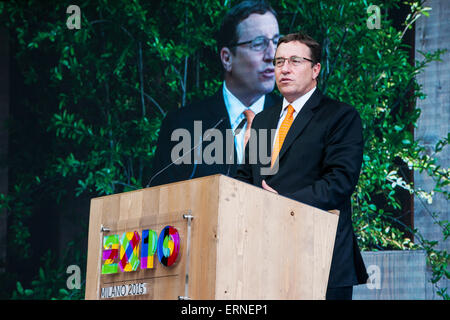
(28, 292)
(41, 274)
(19, 288)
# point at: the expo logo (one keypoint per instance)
(135, 251)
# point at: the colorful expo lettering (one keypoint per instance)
(167, 247)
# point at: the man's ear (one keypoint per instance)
(316, 70)
(226, 57)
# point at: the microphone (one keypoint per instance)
(173, 162)
(236, 132)
(240, 126)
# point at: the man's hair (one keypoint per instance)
(313, 45)
(227, 34)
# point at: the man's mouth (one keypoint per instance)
(285, 80)
(268, 73)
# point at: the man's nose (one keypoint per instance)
(285, 68)
(269, 53)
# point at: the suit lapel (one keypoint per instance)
(271, 101)
(301, 121)
(272, 106)
(270, 122)
(219, 110)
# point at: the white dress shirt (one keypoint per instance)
(235, 110)
(297, 104)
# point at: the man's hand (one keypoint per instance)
(266, 187)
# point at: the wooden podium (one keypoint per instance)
(236, 241)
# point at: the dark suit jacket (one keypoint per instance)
(319, 165)
(211, 111)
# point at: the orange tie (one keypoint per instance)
(249, 114)
(282, 132)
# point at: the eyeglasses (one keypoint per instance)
(259, 43)
(293, 61)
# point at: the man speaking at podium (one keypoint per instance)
(246, 41)
(316, 154)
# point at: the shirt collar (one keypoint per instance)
(299, 103)
(236, 108)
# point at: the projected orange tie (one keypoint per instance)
(249, 114)
(282, 132)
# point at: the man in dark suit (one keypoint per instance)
(246, 40)
(316, 153)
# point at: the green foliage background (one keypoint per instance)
(93, 100)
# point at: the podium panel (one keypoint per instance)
(207, 238)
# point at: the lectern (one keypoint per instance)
(207, 238)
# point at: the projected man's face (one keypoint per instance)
(249, 71)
